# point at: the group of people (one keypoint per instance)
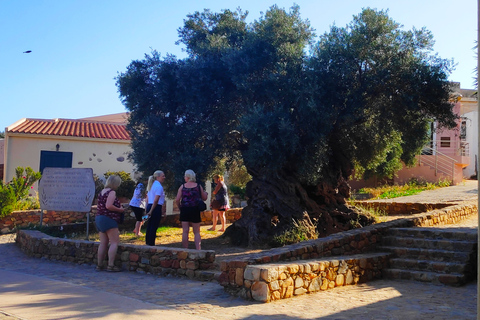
(189, 195)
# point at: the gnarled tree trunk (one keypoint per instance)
(275, 205)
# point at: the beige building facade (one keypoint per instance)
(38, 143)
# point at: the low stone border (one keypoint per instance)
(198, 264)
(24, 219)
(269, 282)
(194, 264)
(401, 208)
(351, 242)
(231, 216)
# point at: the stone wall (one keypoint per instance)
(356, 241)
(231, 216)
(399, 208)
(23, 219)
(275, 281)
(194, 264)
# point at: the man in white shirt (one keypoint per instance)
(156, 199)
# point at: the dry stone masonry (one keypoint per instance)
(194, 264)
(269, 282)
(345, 258)
(236, 279)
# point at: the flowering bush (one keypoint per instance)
(15, 191)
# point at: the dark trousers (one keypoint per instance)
(153, 224)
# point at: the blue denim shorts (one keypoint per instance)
(105, 223)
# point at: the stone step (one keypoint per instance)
(465, 234)
(208, 275)
(428, 265)
(452, 279)
(428, 254)
(439, 244)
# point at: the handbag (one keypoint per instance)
(201, 205)
(216, 204)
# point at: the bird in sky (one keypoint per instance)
(28, 51)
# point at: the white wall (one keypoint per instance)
(472, 139)
(101, 155)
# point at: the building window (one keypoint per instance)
(463, 131)
(445, 142)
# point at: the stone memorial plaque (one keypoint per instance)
(66, 189)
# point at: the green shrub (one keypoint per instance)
(298, 233)
(14, 194)
(233, 189)
(23, 181)
(126, 188)
(29, 203)
(7, 199)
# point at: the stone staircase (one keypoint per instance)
(440, 256)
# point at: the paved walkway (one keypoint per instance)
(41, 289)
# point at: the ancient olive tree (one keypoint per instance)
(301, 115)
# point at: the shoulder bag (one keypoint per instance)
(201, 205)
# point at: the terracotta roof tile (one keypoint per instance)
(72, 128)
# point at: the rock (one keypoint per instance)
(260, 291)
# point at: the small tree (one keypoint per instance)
(23, 181)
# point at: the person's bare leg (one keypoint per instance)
(138, 227)
(214, 220)
(196, 233)
(185, 229)
(135, 230)
(222, 219)
(114, 238)
(102, 248)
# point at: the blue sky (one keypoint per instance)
(79, 46)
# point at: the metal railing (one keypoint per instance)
(448, 147)
(438, 161)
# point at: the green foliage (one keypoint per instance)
(7, 199)
(378, 214)
(414, 186)
(362, 98)
(23, 181)
(14, 194)
(127, 187)
(238, 178)
(29, 203)
(234, 189)
(298, 233)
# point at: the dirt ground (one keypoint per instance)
(172, 237)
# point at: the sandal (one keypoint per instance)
(99, 268)
(113, 269)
